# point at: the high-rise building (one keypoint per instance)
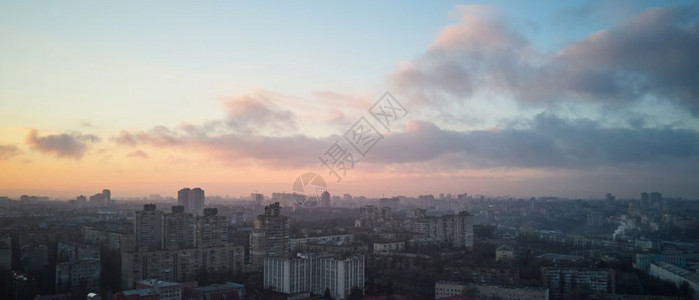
(645, 201)
(180, 264)
(610, 197)
(107, 194)
(314, 273)
(212, 229)
(179, 230)
(325, 199)
(5, 253)
(656, 200)
(148, 228)
(192, 200)
(78, 268)
(270, 236)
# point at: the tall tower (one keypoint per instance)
(107, 196)
(270, 237)
(212, 229)
(178, 229)
(192, 200)
(148, 228)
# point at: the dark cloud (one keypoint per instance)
(650, 54)
(8, 151)
(72, 144)
(545, 142)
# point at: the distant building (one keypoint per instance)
(5, 253)
(137, 294)
(669, 272)
(165, 289)
(452, 230)
(179, 229)
(389, 246)
(642, 261)
(34, 258)
(114, 237)
(228, 291)
(148, 228)
(299, 244)
(192, 200)
(504, 253)
(212, 229)
(270, 236)
(180, 264)
(445, 289)
(314, 273)
(78, 268)
(562, 281)
(325, 199)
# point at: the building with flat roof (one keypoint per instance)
(446, 289)
(314, 273)
(166, 289)
(562, 281)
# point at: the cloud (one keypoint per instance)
(72, 144)
(258, 112)
(652, 54)
(8, 151)
(137, 154)
(545, 141)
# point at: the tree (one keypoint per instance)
(685, 291)
(355, 294)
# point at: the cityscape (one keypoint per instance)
(392, 150)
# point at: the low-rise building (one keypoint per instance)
(562, 281)
(504, 253)
(445, 289)
(389, 246)
(167, 290)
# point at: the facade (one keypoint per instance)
(148, 228)
(314, 273)
(180, 264)
(179, 230)
(270, 236)
(642, 261)
(192, 200)
(444, 289)
(669, 272)
(299, 244)
(212, 229)
(165, 289)
(504, 253)
(34, 258)
(389, 247)
(228, 291)
(5, 253)
(111, 238)
(78, 268)
(562, 281)
(453, 230)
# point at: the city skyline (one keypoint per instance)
(574, 99)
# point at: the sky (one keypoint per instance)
(520, 98)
